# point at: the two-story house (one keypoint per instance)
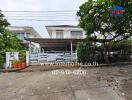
(62, 38)
(61, 46)
(65, 36)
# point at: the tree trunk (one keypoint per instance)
(106, 57)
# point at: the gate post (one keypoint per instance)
(10, 56)
(27, 58)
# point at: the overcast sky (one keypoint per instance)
(41, 5)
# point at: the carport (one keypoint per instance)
(57, 44)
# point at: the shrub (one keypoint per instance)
(1, 61)
(22, 55)
(86, 53)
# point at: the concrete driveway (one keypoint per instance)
(112, 83)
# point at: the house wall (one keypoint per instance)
(66, 32)
(53, 34)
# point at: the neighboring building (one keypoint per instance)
(62, 38)
(23, 32)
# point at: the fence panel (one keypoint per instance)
(53, 57)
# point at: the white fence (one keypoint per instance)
(53, 57)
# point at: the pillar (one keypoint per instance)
(30, 47)
(71, 47)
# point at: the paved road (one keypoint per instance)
(113, 83)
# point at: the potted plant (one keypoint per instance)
(23, 64)
(19, 64)
(15, 63)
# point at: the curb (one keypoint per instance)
(11, 70)
(107, 65)
(48, 68)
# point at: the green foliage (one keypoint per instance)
(1, 61)
(89, 53)
(122, 50)
(123, 45)
(94, 18)
(8, 40)
(22, 55)
(3, 22)
(86, 53)
(8, 43)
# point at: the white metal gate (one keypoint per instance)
(36, 58)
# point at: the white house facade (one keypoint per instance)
(62, 38)
(61, 46)
(65, 32)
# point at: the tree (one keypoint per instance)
(8, 40)
(3, 22)
(101, 27)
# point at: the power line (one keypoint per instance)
(61, 13)
(43, 16)
(40, 17)
(43, 11)
(40, 20)
(22, 15)
(40, 14)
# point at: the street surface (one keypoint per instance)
(104, 83)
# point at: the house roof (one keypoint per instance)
(20, 27)
(55, 41)
(63, 26)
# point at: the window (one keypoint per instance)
(59, 34)
(20, 36)
(76, 34)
